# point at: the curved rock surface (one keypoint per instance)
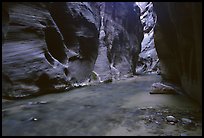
(121, 35)
(37, 53)
(49, 47)
(178, 40)
(148, 61)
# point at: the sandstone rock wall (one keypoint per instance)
(178, 44)
(121, 34)
(148, 61)
(49, 47)
(43, 52)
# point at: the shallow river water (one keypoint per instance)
(119, 108)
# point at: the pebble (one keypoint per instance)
(166, 111)
(157, 122)
(32, 119)
(150, 107)
(171, 118)
(186, 120)
(43, 102)
(172, 123)
(142, 108)
(34, 103)
(159, 113)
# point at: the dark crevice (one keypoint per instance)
(43, 82)
(88, 48)
(66, 71)
(61, 16)
(55, 44)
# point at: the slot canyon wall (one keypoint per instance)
(178, 40)
(148, 61)
(50, 47)
(121, 34)
(43, 52)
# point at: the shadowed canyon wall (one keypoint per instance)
(43, 52)
(120, 38)
(178, 40)
(49, 47)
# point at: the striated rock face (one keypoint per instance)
(78, 22)
(148, 61)
(120, 38)
(178, 44)
(49, 47)
(43, 52)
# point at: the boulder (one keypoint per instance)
(160, 88)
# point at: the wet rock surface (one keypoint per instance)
(171, 119)
(186, 121)
(160, 88)
(107, 109)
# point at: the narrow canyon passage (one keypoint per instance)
(101, 68)
(120, 108)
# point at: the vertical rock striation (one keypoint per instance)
(121, 34)
(78, 23)
(178, 44)
(43, 52)
(148, 61)
(49, 47)
(102, 65)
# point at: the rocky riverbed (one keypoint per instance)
(124, 107)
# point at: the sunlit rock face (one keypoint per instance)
(178, 44)
(148, 61)
(47, 46)
(120, 38)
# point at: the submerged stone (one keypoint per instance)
(171, 119)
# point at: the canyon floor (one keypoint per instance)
(124, 108)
